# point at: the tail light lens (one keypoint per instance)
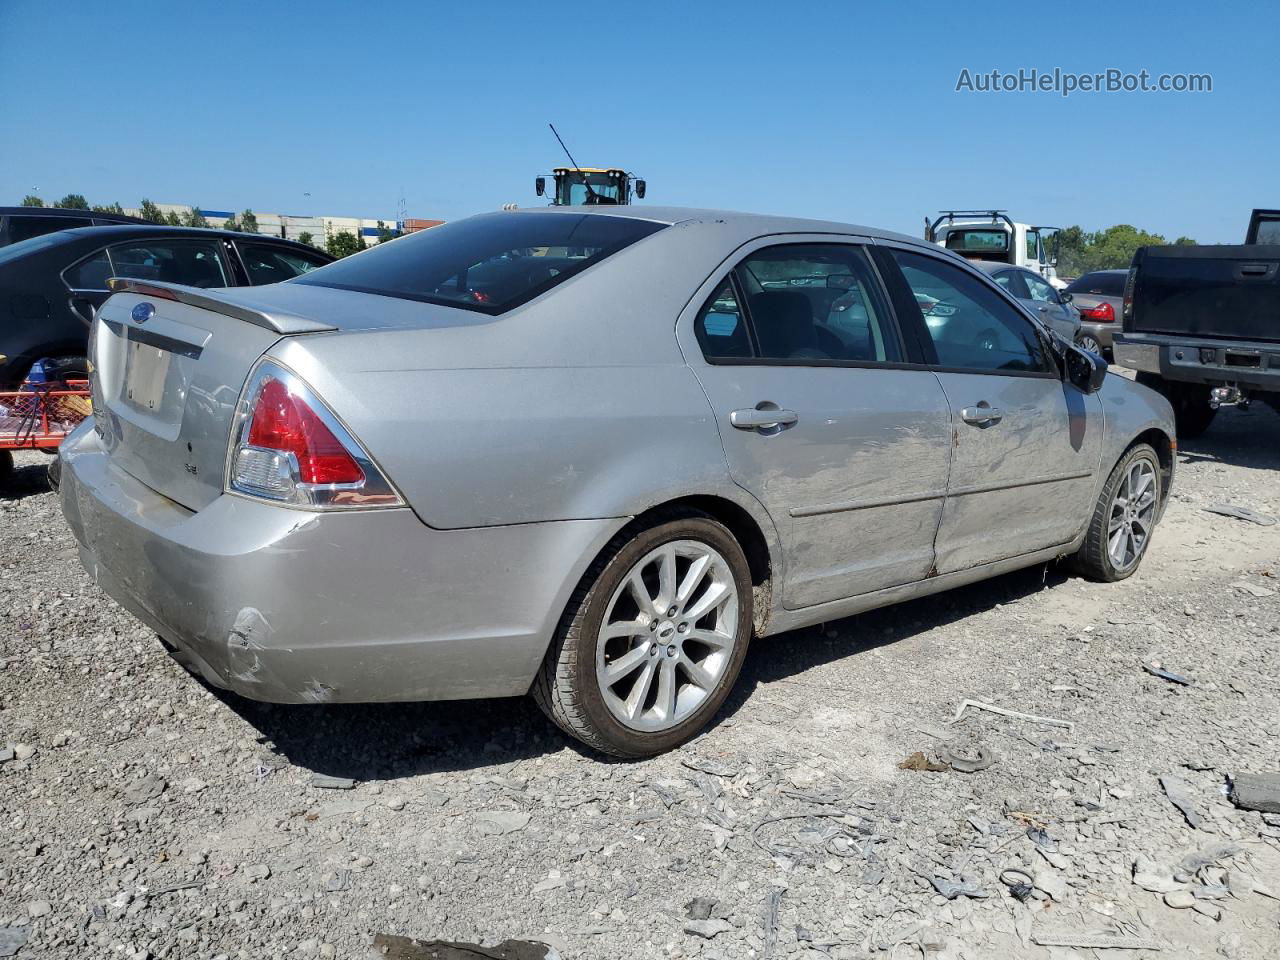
(1101, 313)
(287, 446)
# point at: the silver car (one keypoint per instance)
(1051, 307)
(588, 454)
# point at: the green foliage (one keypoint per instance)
(172, 219)
(305, 237)
(343, 244)
(73, 201)
(385, 233)
(107, 208)
(150, 212)
(248, 222)
(232, 224)
(194, 218)
(31, 200)
(1079, 252)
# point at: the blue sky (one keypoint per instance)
(846, 111)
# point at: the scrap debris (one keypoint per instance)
(1256, 791)
(1155, 668)
(1095, 941)
(1179, 793)
(979, 705)
(1241, 513)
(919, 762)
(964, 760)
(406, 948)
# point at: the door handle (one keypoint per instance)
(981, 415)
(753, 418)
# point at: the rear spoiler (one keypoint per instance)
(224, 303)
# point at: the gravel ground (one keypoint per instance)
(144, 815)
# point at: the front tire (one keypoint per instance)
(653, 638)
(1124, 518)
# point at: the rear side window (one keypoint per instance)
(1099, 284)
(193, 263)
(270, 264)
(490, 263)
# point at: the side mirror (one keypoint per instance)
(1084, 370)
(641, 186)
(1065, 297)
(540, 186)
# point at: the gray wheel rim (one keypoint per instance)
(668, 635)
(1090, 344)
(1132, 515)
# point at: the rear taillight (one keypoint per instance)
(1100, 313)
(289, 447)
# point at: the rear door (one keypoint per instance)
(1026, 445)
(821, 419)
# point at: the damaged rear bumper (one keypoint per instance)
(290, 606)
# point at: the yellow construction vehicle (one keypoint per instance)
(590, 185)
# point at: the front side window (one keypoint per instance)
(193, 263)
(266, 263)
(489, 263)
(971, 327)
(1039, 290)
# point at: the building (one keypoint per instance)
(292, 227)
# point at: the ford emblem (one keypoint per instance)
(143, 312)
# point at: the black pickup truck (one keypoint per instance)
(1202, 324)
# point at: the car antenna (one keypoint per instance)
(576, 168)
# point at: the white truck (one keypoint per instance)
(992, 235)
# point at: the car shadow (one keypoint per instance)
(26, 480)
(392, 741)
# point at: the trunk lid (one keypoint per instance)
(169, 363)
(1232, 292)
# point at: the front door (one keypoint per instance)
(847, 450)
(1027, 444)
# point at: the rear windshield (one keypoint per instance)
(1099, 284)
(978, 241)
(490, 263)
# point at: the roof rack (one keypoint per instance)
(951, 215)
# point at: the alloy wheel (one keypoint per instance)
(1132, 515)
(1089, 343)
(667, 636)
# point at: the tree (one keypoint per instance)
(385, 233)
(172, 219)
(31, 200)
(1069, 244)
(232, 224)
(305, 237)
(74, 201)
(150, 212)
(107, 208)
(194, 218)
(343, 244)
(1080, 252)
(248, 222)
(1184, 242)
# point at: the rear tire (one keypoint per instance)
(6, 466)
(671, 690)
(1105, 553)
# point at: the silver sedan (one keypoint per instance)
(587, 454)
